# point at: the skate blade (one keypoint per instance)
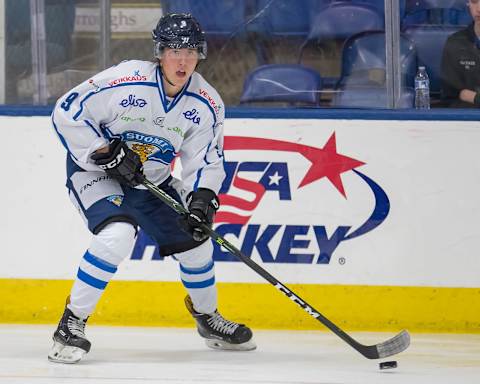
(224, 346)
(65, 354)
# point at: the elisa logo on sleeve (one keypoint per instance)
(192, 115)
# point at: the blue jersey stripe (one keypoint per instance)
(147, 84)
(205, 101)
(179, 95)
(107, 132)
(93, 128)
(161, 91)
(161, 161)
(199, 284)
(99, 263)
(167, 107)
(62, 139)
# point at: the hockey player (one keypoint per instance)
(128, 122)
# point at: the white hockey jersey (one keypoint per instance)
(128, 101)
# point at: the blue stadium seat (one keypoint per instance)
(429, 42)
(285, 17)
(342, 19)
(370, 97)
(364, 60)
(282, 83)
(378, 4)
(217, 17)
(339, 20)
(436, 12)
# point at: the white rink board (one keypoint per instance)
(429, 171)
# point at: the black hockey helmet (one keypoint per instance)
(179, 30)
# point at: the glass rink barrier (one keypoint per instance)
(292, 53)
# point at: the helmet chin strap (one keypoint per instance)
(168, 81)
(165, 76)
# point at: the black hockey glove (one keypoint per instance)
(120, 163)
(202, 206)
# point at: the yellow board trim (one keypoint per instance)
(353, 308)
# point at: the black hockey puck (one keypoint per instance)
(388, 365)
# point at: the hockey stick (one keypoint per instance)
(390, 347)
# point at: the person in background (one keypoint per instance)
(460, 70)
(128, 123)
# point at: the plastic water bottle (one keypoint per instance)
(422, 89)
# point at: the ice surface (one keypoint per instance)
(170, 355)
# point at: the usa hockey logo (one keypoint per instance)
(259, 200)
(288, 243)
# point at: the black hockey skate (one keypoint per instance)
(69, 341)
(220, 333)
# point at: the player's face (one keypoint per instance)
(474, 6)
(179, 64)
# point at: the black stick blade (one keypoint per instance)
(394, 345)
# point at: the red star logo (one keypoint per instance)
(326, 162)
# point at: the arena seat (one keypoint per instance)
(287, 18)
(217, 17)
(436, 12)
(340, 20)
(429, 42)
(293, 83)
(380, 5)
(364, 60)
